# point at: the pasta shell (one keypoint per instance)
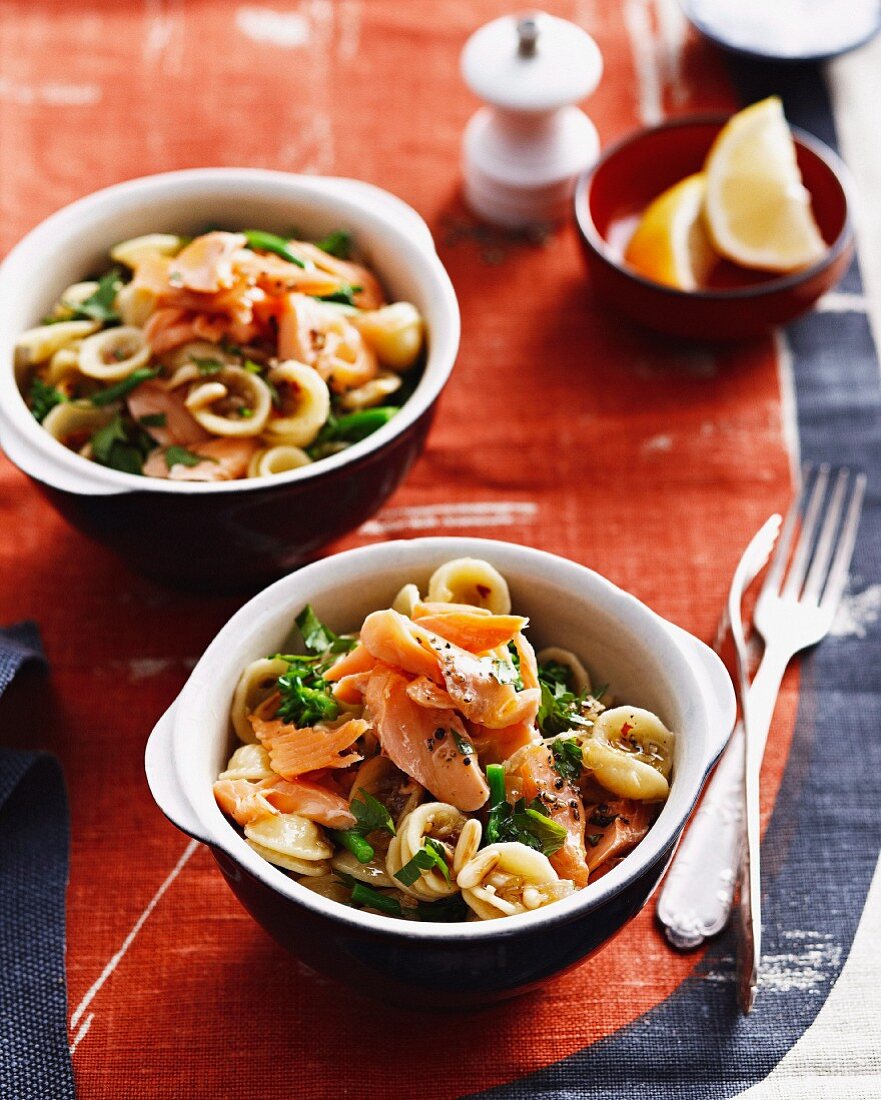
(502, 880)
(406, 600)
(74, 296)
(437, 820)
(113, 354)
(258, 681)
(133, 252)
(371, 393)
(305, 405)
(630, 752)
(396, 333)
(470, 581)
(218, 405)
(373, 873)
(75, 418)
(248, 762)
(40, 343)
(135, 303)
(277, 460)
(292, 836)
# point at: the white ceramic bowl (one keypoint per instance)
(647, 661)
(238, 531)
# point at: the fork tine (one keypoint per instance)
(802, 554)
(774, 576)
(823, 550)
(843, 554)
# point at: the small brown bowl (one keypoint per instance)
(628, 176)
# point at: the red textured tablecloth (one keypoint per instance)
(560, 428)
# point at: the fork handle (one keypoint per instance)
(698, 892)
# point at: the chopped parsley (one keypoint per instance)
(42, 399)
(154, 420)
(526, 824)
(593, 839)
(180, 456)
(131, 382)
(560, 709)
(306, 697)
(370, 813)
(338, 243)
(430, 856)
(101, 303)
(508, 671)
(462, 743)
(568, 759)
(121, 445)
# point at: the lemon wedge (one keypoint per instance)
(758, 212)
(670, 244)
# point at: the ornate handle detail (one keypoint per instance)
(698, 892)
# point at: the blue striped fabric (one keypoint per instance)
(823, 841)
(34, 1057)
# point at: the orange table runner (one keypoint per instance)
(561, 428)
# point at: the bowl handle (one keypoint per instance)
(718, 691)
(163, 783)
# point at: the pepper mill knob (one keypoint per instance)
(522, 153)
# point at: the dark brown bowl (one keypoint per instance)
(632, 173)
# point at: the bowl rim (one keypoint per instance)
(409, 552)
(599, 246)
(36, 248)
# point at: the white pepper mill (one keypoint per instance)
(522, 153)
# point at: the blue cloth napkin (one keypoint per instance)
(34, 1056)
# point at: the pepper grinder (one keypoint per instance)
(522, 153)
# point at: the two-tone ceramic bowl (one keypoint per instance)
(234, 534)
(610, 198)
(645, 659)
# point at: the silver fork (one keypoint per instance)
(795, 610)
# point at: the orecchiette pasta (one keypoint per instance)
(277, 460)
(509, 878)
(444, 772)
(39, 344)
(133, 252)
(630, 753)
(442, 823)
(395, 332)
(233, 403)
(248, 762)
(292, 842)
(113, 354)
(224, 356)
(305, 403)
(470, 581)
(256, 682)
(72, 419)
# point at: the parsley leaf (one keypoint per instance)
(560, 708)
(303, 703)
(100, 304)
(154, 420)
(354, 426)
(370, 813)
(526, 824)
(114, 393)
(462, 744)
(180, 456)
(568, 759)
(338, 243)
(121, 445)
(429, 856)
(42, 399)
(317, 637)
